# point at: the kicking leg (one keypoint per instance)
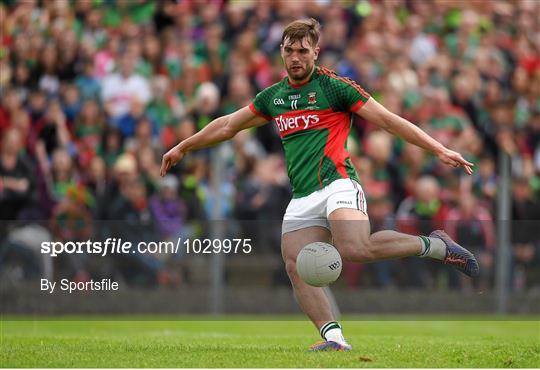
(312, 300)
(351, 231)
(353, 238)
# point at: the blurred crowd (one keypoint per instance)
(93, 92)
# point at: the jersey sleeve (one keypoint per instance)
(353, 95)
(259, 105)
(343, 93)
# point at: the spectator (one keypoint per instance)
(48, 72)
(165, 108)
(121, 90)
(485, 179)
(168, 209)
(52, 130)
(62, 175)
(144, 137)
(525, 233)
(135, 224)
(111, 146)
(71, 102)
(16, 184)
(421, 214)
(206, 104)
(149, 168)
(384, 171)
(424, 211)
(71, 221)
(128, 121)
(11, 103)
(88, 128)
(96, 180)
(87, 84)
(471, 224)
(124, 171)
(37, 106)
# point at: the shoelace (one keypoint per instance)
(455, 258)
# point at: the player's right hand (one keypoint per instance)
(170, 158)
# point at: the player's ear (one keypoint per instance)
(317, 50)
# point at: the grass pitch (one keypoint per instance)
(117, 342)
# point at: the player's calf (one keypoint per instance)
(358, 252)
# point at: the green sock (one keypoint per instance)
(426, 246)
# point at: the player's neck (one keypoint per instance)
(298, 83)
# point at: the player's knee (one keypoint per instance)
(290, 268)
(296, 281)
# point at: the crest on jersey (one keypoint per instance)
(312, 97)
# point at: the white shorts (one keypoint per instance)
(313, 210)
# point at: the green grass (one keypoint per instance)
(266, 343)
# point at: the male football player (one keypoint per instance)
(312, 109)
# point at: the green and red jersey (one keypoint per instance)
(313, 120)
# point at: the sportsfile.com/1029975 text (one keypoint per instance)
(119, 246)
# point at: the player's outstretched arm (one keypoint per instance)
(399, 126)
(220, 129)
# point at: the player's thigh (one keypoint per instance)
(292, 242)
(348, 218)
(350, 230)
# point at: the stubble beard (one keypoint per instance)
(300, 77)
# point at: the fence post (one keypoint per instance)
(504, 225)
(217, 229)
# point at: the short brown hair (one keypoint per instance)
(297, 30)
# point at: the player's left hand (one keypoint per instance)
(455, 159)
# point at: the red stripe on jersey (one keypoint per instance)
(260, 114)
(335, 147)
(319, 172)
(359, 104)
